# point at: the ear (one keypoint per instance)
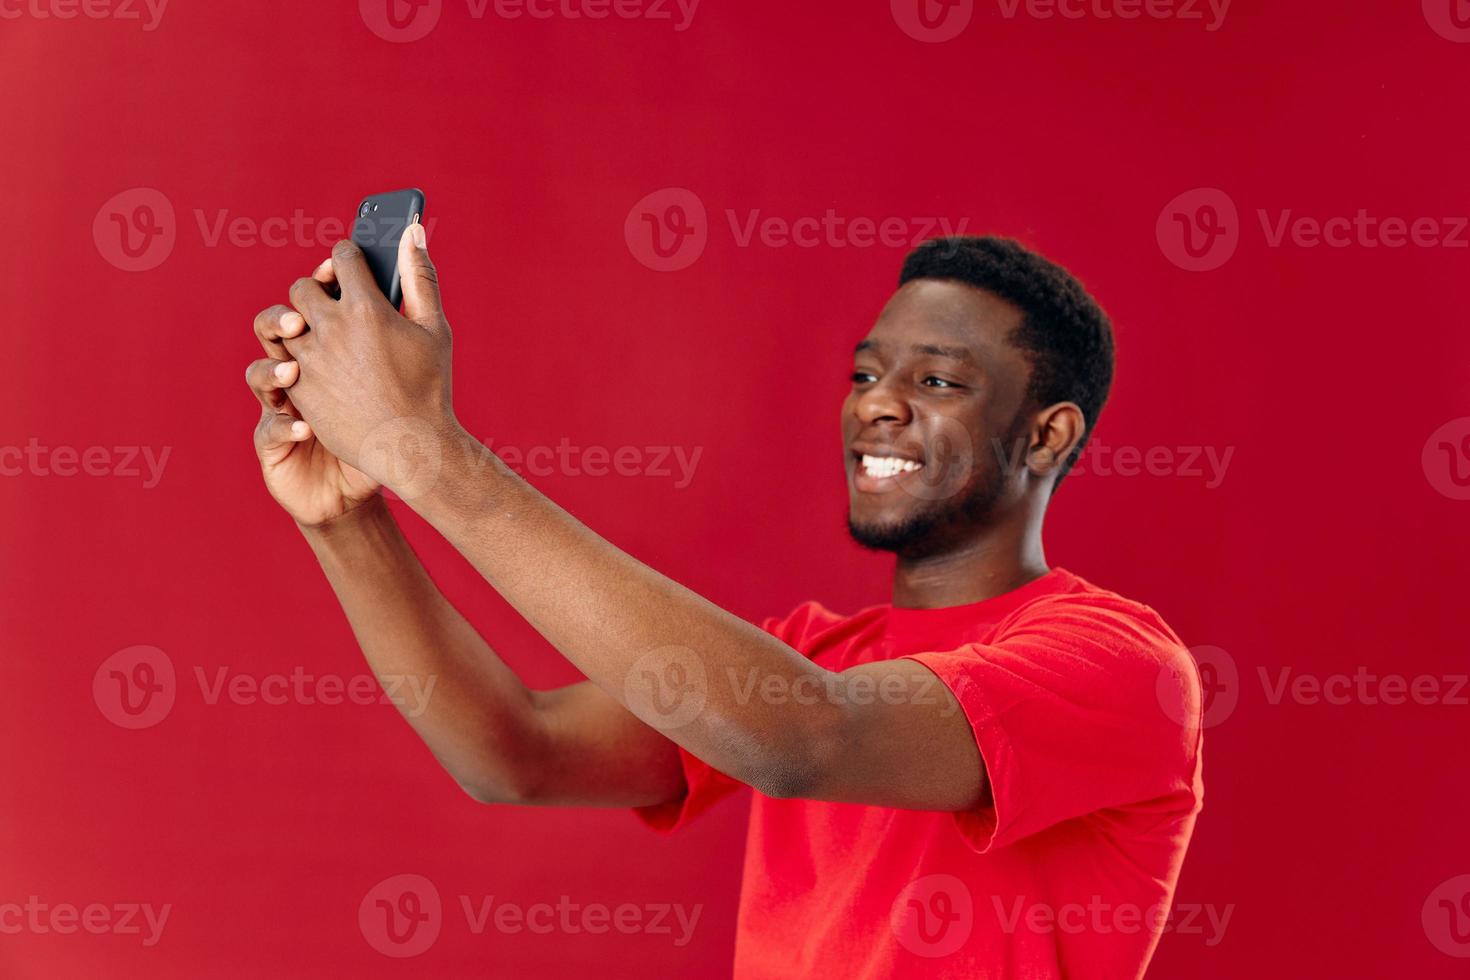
(1057, 432)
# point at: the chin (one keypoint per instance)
(906, 535)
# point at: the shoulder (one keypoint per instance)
(1083, 613)
(1112, 653)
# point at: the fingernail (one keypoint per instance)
(291, 322)
(326, 264)
(299, 429)
(283, 370)
(419, 238)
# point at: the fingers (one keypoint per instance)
(310, 298)
(275, 324)
(277, 434)
(268, 377)
(352, 272)
(421, 302)
(325, 273)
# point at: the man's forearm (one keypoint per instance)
(626, 626)
(469, 707)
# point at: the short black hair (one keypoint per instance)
(1064, 333)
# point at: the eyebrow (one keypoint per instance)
(937, 350)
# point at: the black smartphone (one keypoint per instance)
(382, 220)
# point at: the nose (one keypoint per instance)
(883, 402)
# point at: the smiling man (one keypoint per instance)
(994, 775)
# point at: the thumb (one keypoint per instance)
(419, 277)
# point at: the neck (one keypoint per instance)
(994, 561)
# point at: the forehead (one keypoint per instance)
(938, 312)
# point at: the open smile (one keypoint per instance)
(878, 468)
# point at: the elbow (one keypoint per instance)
(487, 793)
(799, 765)
(498, 786)
(785, 782)
(497, 792)
(502, 766)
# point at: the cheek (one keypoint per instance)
(955, 438)
(950, 464)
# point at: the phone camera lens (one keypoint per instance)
(375, 207)
(364, 208)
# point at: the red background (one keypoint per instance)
(1325, 549)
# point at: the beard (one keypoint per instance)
(937, 527)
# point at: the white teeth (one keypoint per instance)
(886, 466)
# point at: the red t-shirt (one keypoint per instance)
(1086, 710)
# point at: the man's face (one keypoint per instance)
(937, 387)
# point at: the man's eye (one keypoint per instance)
(863, 377)
(934, 382)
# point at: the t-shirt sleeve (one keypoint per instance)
(1070, 711)
(705, 785)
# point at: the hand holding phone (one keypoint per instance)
(381, 222)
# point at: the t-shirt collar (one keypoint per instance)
(906, 625)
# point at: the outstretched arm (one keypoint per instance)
(501, 741)
(376, 387)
